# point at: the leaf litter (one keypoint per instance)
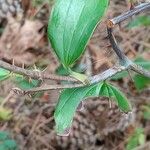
(97, 125)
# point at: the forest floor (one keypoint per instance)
(98, 126)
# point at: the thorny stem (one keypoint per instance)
(125, 62)
(34, 74)
(138, 9)
(122, 58)
(93, 80)
(138, 69)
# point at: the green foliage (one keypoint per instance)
(6, 143)
(3, 135)
(71, 24)
(139, 61)
(120, 75)
(4, 74)
(5, 114)
(146, 111)
(140, 21)
(70, 99)
(138, 138)
(25, 84)
(63, 71)
(140, 81)
(112, 92)
(142, 62)
(19, 79)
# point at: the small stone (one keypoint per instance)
(12, 9)
(10, 2)
(4, 7)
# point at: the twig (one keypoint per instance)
(107, 74)
(93, 80)
(34, 74)
(140, 70)
(122, 58)
(125, 62)
(130, 13)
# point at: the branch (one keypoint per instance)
(122, 58)
(34, 74)
(140, 70)
(93, 80)
(128, 14)
(125, 62)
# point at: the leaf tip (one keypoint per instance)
(64, 133)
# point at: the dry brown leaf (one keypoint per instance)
(18, 40)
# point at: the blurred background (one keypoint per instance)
(26, 123)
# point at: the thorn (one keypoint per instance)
(131, 5)
(18, 91)
(30, 96)
(30, 80)
(66, 133)
(130, 75)
(13, 62)
(44, 69)
(23, 66)
(110, 103)
(35, 68)
(39, 72)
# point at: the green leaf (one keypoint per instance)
(112, 92)
(77, 68)
(26, 84)
(139, 61)
(6, 143)
(140, 21)
(142, 62)
(3, 135)
(5, 114)
(120, 75)
(141, 139)
(141, 82)
(80, 77)
(71, 25)
(10, 145)
(4, 74)
(62, 71)
(137, 138)
(68, 103)
(146, 112)
(70, 99)
(2, 147)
